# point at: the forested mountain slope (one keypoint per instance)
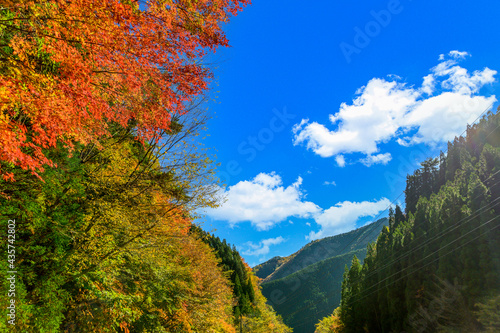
(250, 310)
(436, 268)
(307, 286)
(267, 268)
(306, 296)
(325, 248)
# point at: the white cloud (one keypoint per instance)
(340, 160)
(298, 127)
(373, 117)
(428, 85)
(458, 78)
(377, 159)
(263, 247)
(441, 118)
(263, 201)
(387, 109)
(330, 183)
(343, 216)
(458, 54)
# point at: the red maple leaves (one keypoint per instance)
(72, 67)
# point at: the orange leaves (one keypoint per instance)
(73, 66)
(124, 327)
(209, 306)
(104, 73)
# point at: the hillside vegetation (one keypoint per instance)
(101, 172)
(324, 248)
(250, 310)
(307, 285)
(265, 269)
(106, 247)
(436, 267)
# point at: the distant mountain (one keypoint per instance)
(319, 250)
(310, 294)
(305, 286)
(267, 268)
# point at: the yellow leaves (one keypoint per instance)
(134, 224)
(209, 307)
(330, 324)
(98, 286)
(267, 320)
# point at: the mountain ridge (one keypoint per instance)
(306, 285)
(321, 249)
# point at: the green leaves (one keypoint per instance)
(431, 266)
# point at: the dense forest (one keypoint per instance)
(250, 310)
(102, 172)
(436, 267)
(105, 243)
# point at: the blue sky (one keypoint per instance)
(324, 106)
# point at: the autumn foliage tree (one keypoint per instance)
(69, 68)
(251, 313)
(107, 91)
(105, 242)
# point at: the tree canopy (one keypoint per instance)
(437, 267)
(69, 68)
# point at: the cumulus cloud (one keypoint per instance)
(458, 54)
(376, 159)
(330, 183)
(429, 84)
(441, 118)
(263, 247)
(343, 216)
(340, 159)
(264, 202)
(373, 117)
(384, 110)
